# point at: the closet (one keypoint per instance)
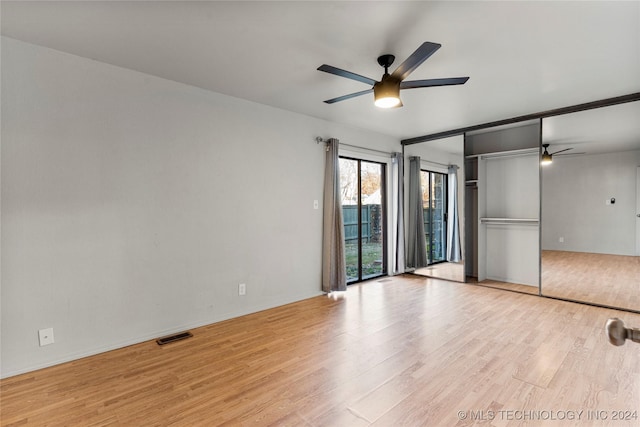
(502, 204)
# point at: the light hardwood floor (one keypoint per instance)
(404, 351)
(612, 280)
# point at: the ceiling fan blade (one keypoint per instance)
(413, 84)
(566, 149)
(415, 59)
(348, 74)
(345, 97)
(572, 154)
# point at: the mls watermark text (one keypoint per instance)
(548, 415)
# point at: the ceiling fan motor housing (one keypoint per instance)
(387, 89)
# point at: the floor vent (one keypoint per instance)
(174, 338)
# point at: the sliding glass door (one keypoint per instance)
(434, 200)
(363, 209)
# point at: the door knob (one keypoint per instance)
(618, 333)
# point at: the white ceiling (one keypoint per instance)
(521, 57)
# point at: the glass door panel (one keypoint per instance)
(438, 211)
(362, 189)
(434, 202)
(371, 178)
(349, 185)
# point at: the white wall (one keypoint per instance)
(511, 190)
(574, 192)
(512, 187)
(434, 158)
(133, 206)
(508, 187)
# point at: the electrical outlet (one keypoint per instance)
(45, 336)
(315, 204)
(242, 289)
(561, 240)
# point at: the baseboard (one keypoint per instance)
(155, 334)
(512, 280)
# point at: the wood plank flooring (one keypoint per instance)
(408, 351)
(612, 280)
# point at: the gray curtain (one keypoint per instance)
(417, 247)
(397, 166)
(454, 251)
(334, 270)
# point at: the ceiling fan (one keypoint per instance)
(387, 91)
(547, 158)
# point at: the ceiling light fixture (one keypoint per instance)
(546, 157)
(386, 92)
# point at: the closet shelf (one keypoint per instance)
(521, 221)
(506, 153)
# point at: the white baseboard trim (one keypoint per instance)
(157, 334)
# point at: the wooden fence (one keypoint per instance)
(371, 223)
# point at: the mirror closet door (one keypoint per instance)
(443, 202)
(590, 204)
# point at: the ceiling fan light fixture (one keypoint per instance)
(386, 93)
(387, 102)
(546, 158)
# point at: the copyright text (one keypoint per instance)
(550, 415)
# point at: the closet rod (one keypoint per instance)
(508, 153)
(523, 221)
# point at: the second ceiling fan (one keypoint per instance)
(387, 90)
(547, 158)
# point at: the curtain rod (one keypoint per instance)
(436, 163)
(320, 139)
(368, 149)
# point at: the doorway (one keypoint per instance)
(363, 211)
